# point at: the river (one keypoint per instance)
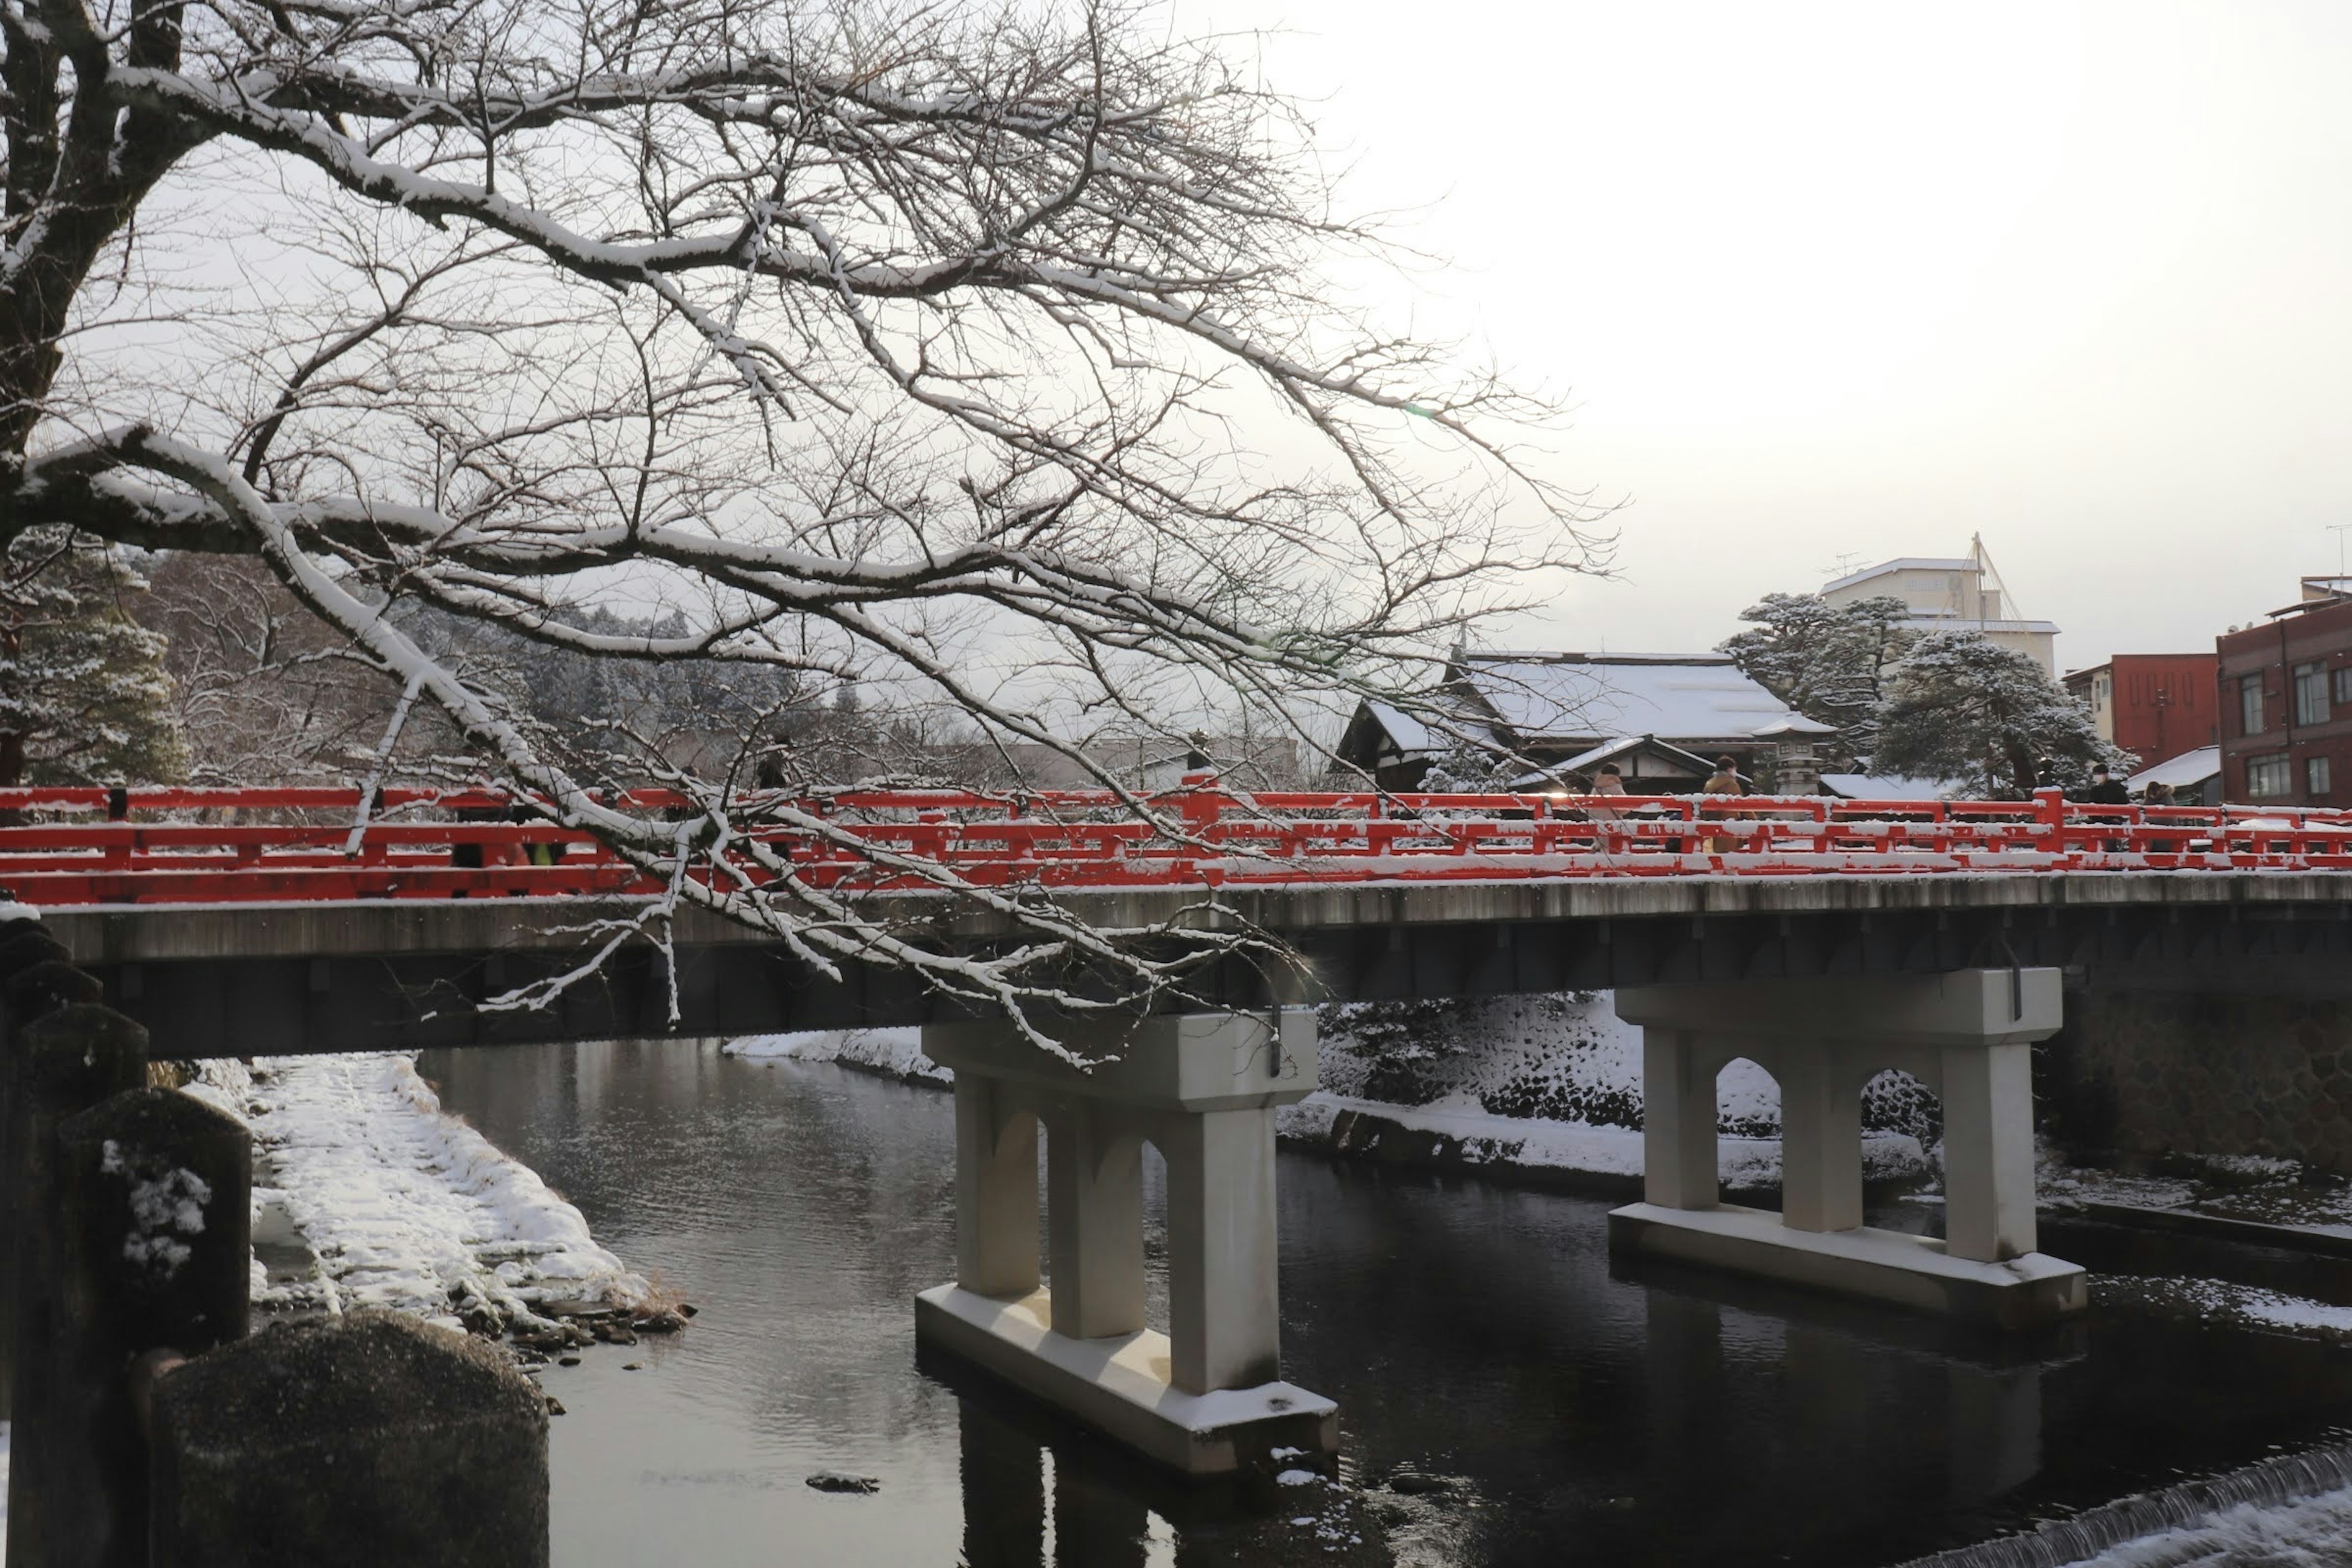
(1469, 1331)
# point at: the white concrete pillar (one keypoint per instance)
(1679, 1151)
(1094, 1220)
(1821, 1139)
(1988, 1151)
(996, 1190)
(1224, 1310)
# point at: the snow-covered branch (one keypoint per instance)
(983, 359)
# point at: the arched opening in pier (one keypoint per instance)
(1155, 1237)
(1748, 1133)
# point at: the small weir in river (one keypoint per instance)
(1505, 1397)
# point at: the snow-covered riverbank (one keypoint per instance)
(1538, 1088)
(893, 1053)
(366, 1194)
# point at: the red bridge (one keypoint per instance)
(173, 845)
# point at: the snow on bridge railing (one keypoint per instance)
(62, 847)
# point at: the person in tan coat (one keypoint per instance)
(1725, 780)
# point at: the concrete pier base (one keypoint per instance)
(1913, 1271)
(1967, 1035)
(1207, 1395)
(1120, 1385)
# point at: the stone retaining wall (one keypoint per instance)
(2157, 1072)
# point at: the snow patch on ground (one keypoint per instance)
(1542, 1144)
(2226, 1186)
(1564, 1057)
(401, 1204)
(1553, 1082)
(896, 1053)
(2221, 1302)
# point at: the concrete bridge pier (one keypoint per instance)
(1205, 1397)
(1967, 1035)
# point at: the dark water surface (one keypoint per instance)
(1467, 1330)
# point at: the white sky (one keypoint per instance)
(1860, 279)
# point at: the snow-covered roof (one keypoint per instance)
(1413, 737)
(1380, 731)
(1884, 786)
(1681, 697)
(2187, 768)
(1902, 564)
(1936, 622)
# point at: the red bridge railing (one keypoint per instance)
(186, 845)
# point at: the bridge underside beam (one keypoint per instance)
(209, 985)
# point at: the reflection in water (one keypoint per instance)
(1468, 1332)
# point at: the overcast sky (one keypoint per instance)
(1831, 281)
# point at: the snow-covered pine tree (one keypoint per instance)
(84, 698)
(1830, 662)
(1962, 707)
(1469, 769)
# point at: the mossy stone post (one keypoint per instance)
(154, 1231)
(39, 986)
(370, 1437)
(62, 1065)
(23, 944)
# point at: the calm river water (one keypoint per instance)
(1468, 1332)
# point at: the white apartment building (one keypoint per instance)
(1961, 593)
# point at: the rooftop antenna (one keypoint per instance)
(2002, 595)
(2339, 530)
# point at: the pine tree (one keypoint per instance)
(1466, 769)
(84, 698)
(1830, 662)
(1962, 707)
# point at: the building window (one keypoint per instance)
(2250, 705)
(2344, 685)
(2316, 776)
(2268, 778)
(2311, 694)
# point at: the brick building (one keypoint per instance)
(2285, 689)
(2154, 705)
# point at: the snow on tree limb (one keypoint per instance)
(983, 356)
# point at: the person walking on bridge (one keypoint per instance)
(1725, 780)
(2106, 789)
(1607, 781)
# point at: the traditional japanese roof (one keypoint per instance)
(1690, 700)
(1613, 751)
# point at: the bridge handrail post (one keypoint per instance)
(2050, 810)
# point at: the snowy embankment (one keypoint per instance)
(400, 1205)
(893, 1053)
(1464, 1132)
(1548, 1089)
(1545, 1088)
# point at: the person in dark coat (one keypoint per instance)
(2106, 790)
